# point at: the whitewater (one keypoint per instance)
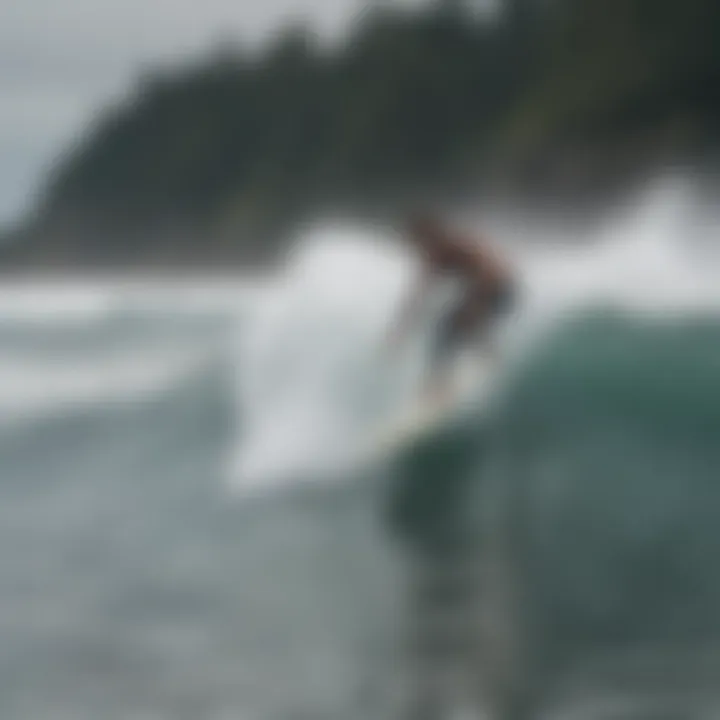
(181, 534)
(314, 376)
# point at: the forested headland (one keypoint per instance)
(545, 100)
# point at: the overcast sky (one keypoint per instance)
(60, 60)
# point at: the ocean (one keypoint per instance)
(186, 532)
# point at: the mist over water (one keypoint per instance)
(166, 549)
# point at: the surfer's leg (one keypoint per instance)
(468, 318)
(485, 313)
(438, 382)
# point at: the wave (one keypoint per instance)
(312, 375)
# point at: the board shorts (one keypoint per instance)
(450, 339)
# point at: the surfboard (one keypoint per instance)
(469, 390)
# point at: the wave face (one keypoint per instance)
(610, 439)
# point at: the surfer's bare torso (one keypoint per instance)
(486, 280)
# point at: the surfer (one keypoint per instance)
(488, 290)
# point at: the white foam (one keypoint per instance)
(80, 301)
(35, 383)
(304, 361)
(31, 389)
